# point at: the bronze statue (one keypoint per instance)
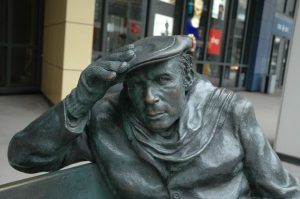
(166, 133)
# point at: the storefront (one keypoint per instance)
(127, 21)
(238, 42)
(220, 28)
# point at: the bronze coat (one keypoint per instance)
(236, 161)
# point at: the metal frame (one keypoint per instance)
(9, 41)
(206, 34)
(104, 22)
(228, 22)
(8, 87)
(245, 40)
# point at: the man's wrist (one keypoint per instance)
(74, 124)
(81, 99)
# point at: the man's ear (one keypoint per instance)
(189, 78)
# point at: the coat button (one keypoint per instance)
(176, 195)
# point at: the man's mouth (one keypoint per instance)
(155, 116)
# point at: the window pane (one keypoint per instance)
(290, 8)
(136, 21)
(125, 23)
(280, 5)
(162, 19)
(2, 65)
(24, 17)
(217, 30)
(23, 67)
(213, 73)
(230, 76)
(163, 25)
(236, 34)
(196, 24)
(3, 20)
(234, 77)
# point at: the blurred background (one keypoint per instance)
(249, 46)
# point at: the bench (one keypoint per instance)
(81, 182)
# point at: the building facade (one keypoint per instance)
(240, 44)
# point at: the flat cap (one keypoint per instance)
(158, 48)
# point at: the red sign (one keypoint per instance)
(135, 27)
(214, 43)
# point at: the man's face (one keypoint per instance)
(157, 94)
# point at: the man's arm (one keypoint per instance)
(47, 144)
(57, 138)
(264, 170)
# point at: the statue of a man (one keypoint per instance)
(166, 133)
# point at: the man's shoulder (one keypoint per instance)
(231, 102)
(239, 104)
(238, 107)
(208, 94)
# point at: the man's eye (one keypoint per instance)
(164, 79)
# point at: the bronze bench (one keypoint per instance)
(81, 182)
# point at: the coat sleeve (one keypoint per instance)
(264, 170)
(50, 142)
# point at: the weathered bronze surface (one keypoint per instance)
(167, 133)
(81, 182)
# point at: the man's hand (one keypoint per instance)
(96, 79)
(109, 70)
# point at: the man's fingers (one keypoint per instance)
(108, 70)
(115, 66)
(124, 48)
(125, 53)
(102, 73)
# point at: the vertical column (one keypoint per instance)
(262, 42)
(53, 48)
(78, 41)
(67, 48)
(288, 131)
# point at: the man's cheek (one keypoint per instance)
(175, 97)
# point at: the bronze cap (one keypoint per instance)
(158, 48)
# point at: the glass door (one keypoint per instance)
(278, 59)
(125, 22)
(20, 44)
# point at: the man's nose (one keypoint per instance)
(150, 97)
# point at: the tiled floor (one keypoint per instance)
(18, 111)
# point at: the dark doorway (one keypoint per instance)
(20, 45)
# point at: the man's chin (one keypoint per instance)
(158, 126)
